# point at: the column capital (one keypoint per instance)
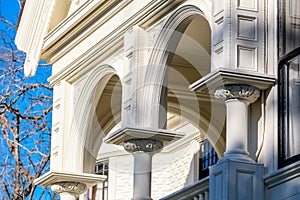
(74, 188)
(237, 91)
(145, 145)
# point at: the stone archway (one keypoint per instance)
(97, 111)
(180, 57)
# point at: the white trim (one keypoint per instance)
(282, 175)
(33, 27)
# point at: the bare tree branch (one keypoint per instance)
(25, 122)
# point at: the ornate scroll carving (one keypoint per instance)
(244, 92)
(145, 145)
(69, 187)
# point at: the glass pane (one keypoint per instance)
(290, 20)
(207, 157)
(293, 136)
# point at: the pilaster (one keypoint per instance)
(136, 55)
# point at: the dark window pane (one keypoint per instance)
(102, 168)
(290, 26)
(207, 157)
(289, 108)
(293, 135)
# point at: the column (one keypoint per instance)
(142, 151)
(69, 190)
(237, 99)
(236, 176)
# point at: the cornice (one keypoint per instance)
(33, 26)
(95, 56)
(81, 24)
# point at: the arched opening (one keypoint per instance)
(187, 62)
(188, 59)
(104, 115)
(108, 108)
(181, 56)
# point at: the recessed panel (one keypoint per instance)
(247, 4)
(247, 28)
(247, 58)
(295, 8)
(219, 179)
(245, 186)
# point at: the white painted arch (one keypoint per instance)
(86, 129)
(169, 36)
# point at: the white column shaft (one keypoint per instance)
(67, 196)
(237, 126)
(142, 175)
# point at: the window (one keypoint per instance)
(101, 190)
(207, 157)
(289, 82)
(289, 26)
(289, 108)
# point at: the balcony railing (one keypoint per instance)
(196, 191)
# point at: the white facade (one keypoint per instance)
(160, 76)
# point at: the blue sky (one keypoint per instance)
(10, 9)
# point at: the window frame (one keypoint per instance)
(283, 106)
(103, 170)
(210, 158)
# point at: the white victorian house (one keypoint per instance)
(170, 99)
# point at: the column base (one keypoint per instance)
(141, 198)
(235, 180)
(237, 155)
